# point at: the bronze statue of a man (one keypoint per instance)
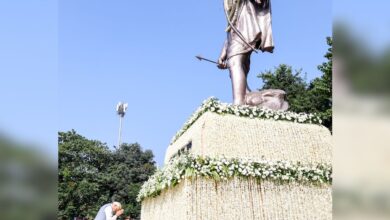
(249, 29)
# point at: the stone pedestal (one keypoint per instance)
(233, 136)
(216, 135)
(238, 198)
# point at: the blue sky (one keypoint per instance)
(370, 21)
(143, 53)
(70, 63)
(29, 73)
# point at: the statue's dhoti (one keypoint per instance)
(254, 24)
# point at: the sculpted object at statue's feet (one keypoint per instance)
(270, 98)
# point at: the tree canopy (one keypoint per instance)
(313, 97)
(28, 186)
(91, 175)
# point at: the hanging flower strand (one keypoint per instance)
(220, 169)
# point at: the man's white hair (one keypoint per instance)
(117, 204)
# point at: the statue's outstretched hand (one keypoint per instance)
(222, 63)
(222, 60)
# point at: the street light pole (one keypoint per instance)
(121, 111)
(120, 131)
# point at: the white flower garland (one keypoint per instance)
(219, 169)
(214, 105)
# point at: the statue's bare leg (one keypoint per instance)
(246, 66)
(238, 72)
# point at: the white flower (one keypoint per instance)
(282, 170)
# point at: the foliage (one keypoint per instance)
(28, 182)
(131, 168)
(362, 68)
(292, 83)
(90, 175)
(221, 169)
(314, 97)
(320, 89)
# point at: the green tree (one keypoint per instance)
(313, 97)
(131, 168)
(28, 182)
(91, 175)
(82, 170)
(291, 82)
(320, 89)
(366, 70)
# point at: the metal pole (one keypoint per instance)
(121, 110)
(120, 131)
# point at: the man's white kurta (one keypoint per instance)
(109, 214)
(105, 213)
